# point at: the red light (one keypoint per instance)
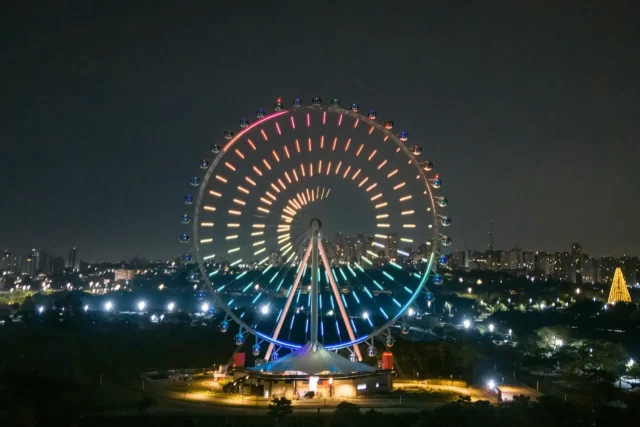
(437, 175)
(279, 100)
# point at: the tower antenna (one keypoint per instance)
(491, 235)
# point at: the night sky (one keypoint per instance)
(527, 111)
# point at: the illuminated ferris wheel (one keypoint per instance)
(316, 223)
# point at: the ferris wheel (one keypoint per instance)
(316, 223)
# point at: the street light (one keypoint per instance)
(141, 305)
(205, 307)
(365, 315)
(491, 328)
(264, 309)
(411, 312)
(86, 308)
(466, 323)
(469, 290)
(171, 306)
(108, 306)
(40, 309)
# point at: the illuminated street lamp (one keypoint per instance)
(491, 328)
(578, 291)
(264, 309)
(466, 323)
(491, 384)
(205, 307)
(86, 308)
(365, 315)
(469, 290)
(171, 306)
(411, 312)
(141, 305)
(40, 309)
(108, 306)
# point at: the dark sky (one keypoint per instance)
(529, 110)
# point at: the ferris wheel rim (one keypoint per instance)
(377, 329)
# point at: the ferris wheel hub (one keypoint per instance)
(315, 224)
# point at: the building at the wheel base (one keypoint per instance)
(312, 372)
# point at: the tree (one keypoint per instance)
(346, 413)
(280, 408)
(146, 403)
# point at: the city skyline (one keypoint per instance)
(573, 265)
(101, 130)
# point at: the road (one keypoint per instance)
(196, 395)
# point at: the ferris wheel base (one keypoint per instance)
(313, 359)
(313, 372)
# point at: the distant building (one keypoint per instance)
(528, 261)
(392, 245)
(629, 267)
(57, 265)
(348, 252)
(29, 266)
(72, 261)
(562, 267)
(423, 250)
(511, 260)
(493, 260)
(544, 263)
(360, 247)
(6, 261)
(458, 259)
(606, 269)
(576, 260)
(274, 258)
(124, 275)
(339, 244)
(589, 269)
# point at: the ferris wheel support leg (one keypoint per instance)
(336, 294)
(287, 305)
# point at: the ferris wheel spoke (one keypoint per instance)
(292, 291)
(339, 301)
